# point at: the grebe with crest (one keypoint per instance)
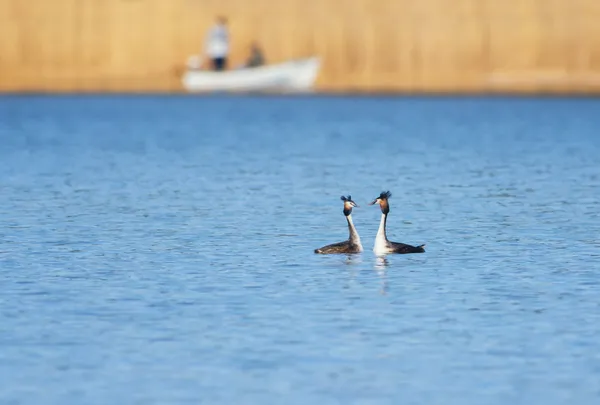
(382, 244)
(352, 245)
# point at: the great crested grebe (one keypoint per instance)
(382, 244)
(352, 245)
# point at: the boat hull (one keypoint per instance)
(292, 76)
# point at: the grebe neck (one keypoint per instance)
(381, 235)
(352, 230)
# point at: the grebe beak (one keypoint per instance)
(374, 201)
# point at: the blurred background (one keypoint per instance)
(383, 46)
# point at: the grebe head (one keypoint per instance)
(382, 200)
(348, 204)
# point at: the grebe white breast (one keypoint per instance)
(352, 245)
(382, 244)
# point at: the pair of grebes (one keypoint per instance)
(382, 244)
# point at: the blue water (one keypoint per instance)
(159, 250)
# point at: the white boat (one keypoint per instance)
(293, 76)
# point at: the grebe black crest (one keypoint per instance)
(382, 244)
(352, 245)
(348, 204)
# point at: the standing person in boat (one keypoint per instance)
(217, 44)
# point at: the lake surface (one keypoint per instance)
(159, 250)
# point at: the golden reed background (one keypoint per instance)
(366, 45)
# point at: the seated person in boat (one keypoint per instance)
(256, 57)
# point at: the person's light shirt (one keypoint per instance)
(217, 44)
